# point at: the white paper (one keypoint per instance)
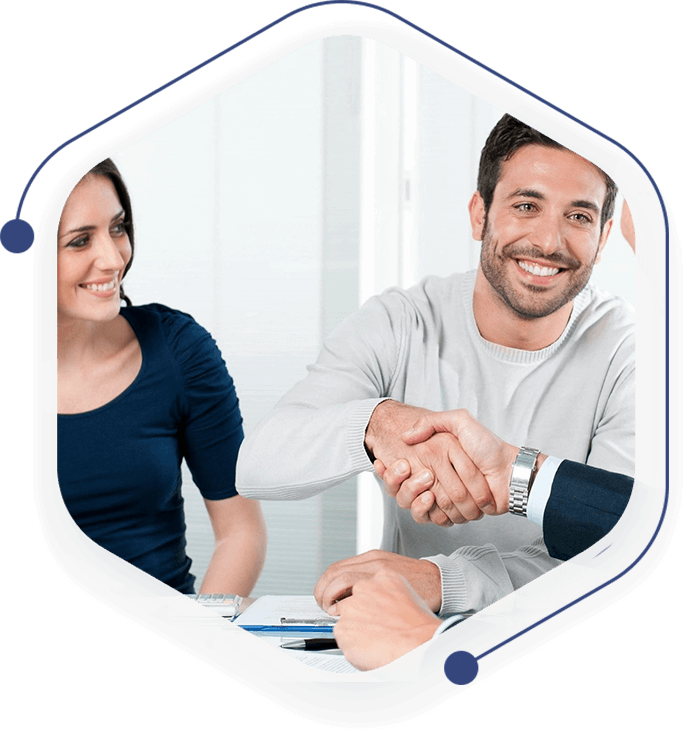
(268, 610)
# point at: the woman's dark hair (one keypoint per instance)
(108, 169)
(509, 135)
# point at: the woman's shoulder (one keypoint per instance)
(178, 329)
(168, 319)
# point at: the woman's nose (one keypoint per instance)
(108, 256)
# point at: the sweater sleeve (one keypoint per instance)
(474, 577)
(313, 439)
(613, 441)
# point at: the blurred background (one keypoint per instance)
(275, 209)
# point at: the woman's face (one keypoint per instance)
(93, 251)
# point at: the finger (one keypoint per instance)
(330, 575)
(480, 495)
(452, 497)
(339, 589)
(421, 507)
(425, 509)
(422, 430)
(430, 424)
(322, 583)
(379, 468)
(440, 518)
(395, 475)
(366, 562)
(413, 487)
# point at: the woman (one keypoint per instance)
(139, 388)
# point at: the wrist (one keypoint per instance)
(524, 471)
(510, 455)
(383, 437)
(374, 428)
(541, 458)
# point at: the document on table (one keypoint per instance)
(276, 610)
(269, 610)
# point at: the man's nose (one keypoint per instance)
(547, 233)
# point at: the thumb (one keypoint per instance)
(426, 426)
(423, 429)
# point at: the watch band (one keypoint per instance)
(521, 479)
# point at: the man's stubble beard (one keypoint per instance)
(533, 302)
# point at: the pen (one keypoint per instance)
(310, 645)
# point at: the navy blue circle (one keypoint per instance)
(17, 236)
(461, 668)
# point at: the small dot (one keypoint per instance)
(17, 236)
(461, 668)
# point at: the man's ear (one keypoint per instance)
(477, 216)
(602, 239)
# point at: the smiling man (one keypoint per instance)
(524, 343)
(542, 227)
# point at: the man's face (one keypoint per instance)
(542, 234)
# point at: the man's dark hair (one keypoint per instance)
(509, 135)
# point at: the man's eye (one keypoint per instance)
(524, 207)
(581, 218)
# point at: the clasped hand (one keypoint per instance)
(454, 470)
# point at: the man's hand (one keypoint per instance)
(489, 456)
(492, 456)
(413, 492)
(382, 620)
(338, 580)
(438, 464)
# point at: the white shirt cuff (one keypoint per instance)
(541, 490)
(445, 625)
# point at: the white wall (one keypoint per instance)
(270, 211)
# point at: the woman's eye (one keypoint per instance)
(119, 228)
(81, 241)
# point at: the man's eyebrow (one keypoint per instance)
(536, 195)
(524, 192)
(587, 204)
(81, 229)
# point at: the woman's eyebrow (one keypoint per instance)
(80, 229)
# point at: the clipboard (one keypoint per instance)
(286, 614)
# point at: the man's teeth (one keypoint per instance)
(535, 269)
(99, 287)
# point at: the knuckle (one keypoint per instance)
(458, 493)
(484, 499)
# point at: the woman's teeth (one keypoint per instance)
(100, 286)
(535, 269)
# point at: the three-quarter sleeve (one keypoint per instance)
(211, 427)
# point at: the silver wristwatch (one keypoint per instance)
(521, 480)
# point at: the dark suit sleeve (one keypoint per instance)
(584, 505)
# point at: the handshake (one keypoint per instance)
(446, 467)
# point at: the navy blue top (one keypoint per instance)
(119, 466)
